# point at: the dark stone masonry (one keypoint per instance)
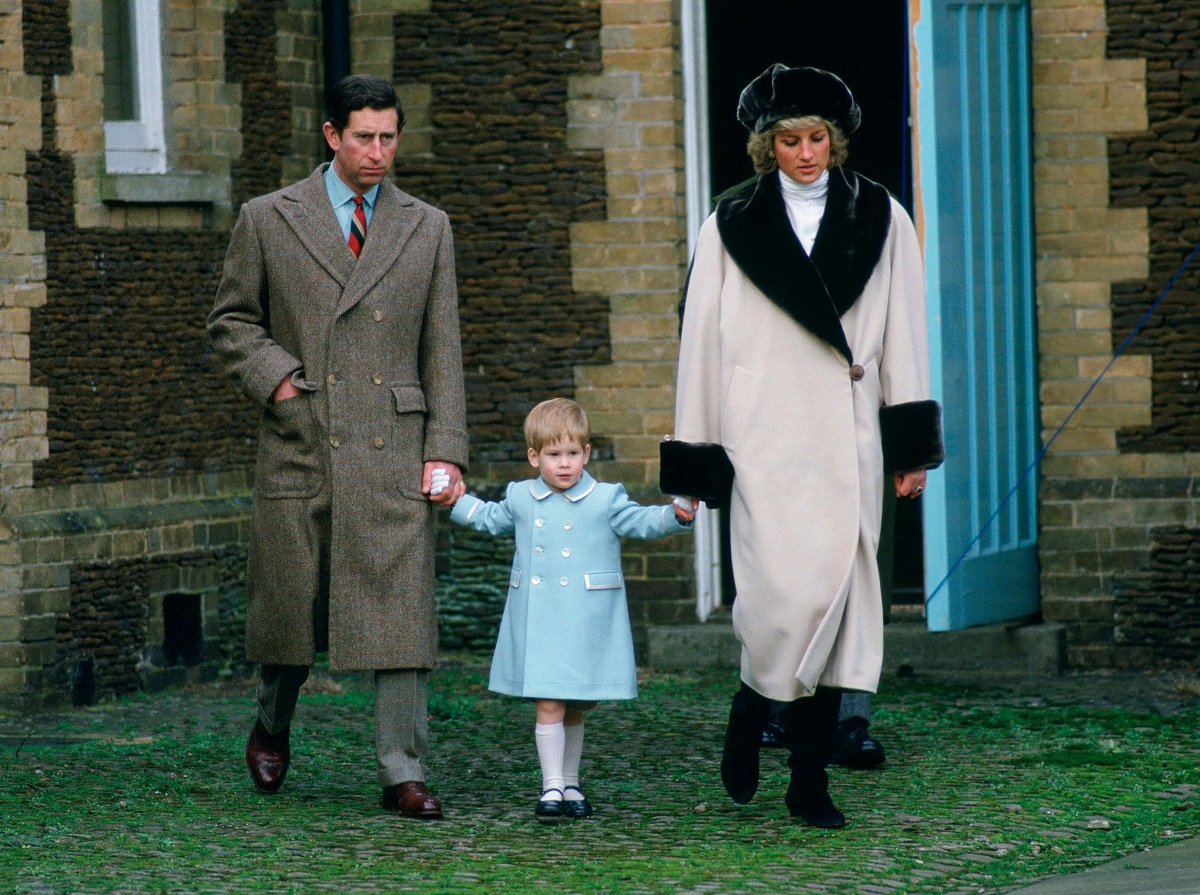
(502, 170)
(1160, 170)
(1156, 607)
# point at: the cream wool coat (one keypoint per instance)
(800, 421)
(373, 344)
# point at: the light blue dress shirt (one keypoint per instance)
(341, 197)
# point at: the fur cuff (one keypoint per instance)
(912, 436)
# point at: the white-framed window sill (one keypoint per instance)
(164, 189)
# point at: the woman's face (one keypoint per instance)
(803, 153)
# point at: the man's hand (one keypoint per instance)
(285, 390)
(451, 490)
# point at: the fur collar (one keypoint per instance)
(814, 291)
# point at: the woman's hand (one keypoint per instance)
(910, 484)
(685, 508)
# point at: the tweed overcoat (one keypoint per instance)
(373, 345)
(565, 631)
(786, 361)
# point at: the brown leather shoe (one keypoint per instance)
(412, 799)
(268, 756)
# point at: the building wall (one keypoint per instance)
(548, 130)
(1116, 109)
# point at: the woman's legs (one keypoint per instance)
(810, 725)
(748, 715)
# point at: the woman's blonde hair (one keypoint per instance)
(555, 420)
(761, 147)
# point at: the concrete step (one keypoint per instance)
(908, 646)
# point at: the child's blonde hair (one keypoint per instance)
(555, 420)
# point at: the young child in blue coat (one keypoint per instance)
(565, 640)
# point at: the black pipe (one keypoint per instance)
(335, 22)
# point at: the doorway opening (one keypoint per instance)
(867, 45)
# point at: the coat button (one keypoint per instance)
(331, 379)
(335, 442)
(566, 552)
(539, 522)
(857, 372)
(377, 379)
(378, 315)
(537, 551)
(568, 526)
(563, 581)
(536, 579)
(378, 442)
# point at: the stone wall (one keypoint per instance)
(1111, 92)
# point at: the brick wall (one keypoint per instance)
(1102, 96)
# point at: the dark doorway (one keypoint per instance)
(183, 629)
(866, 45)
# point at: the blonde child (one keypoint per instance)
(565, 640)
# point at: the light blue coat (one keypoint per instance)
(565, 632)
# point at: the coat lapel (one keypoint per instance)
(814, 291)
(305, 206)
(392, 225)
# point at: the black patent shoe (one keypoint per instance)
(748, 716)
(550, 809)
(773, 736)
(577, 808)
(808, 798)
(855, 747)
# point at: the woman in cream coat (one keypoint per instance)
(804, 354)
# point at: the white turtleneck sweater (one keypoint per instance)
(805, 204)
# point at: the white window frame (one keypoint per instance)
(140, 147)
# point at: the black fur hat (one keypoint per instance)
(781, 92)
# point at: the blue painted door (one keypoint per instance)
(973, 151)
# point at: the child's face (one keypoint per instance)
(561, 464)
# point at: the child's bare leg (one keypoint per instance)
(577, 803)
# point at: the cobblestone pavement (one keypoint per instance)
(989, 785)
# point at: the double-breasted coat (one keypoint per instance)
(565, 631)
(798, 366)
(373, 345)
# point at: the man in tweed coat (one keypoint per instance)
(350, 345)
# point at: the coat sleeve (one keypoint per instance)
(239, 325)
(630, 519)
(910, 422)
(492, 517)
(698, 391)
(441, 368)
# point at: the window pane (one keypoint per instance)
(120, 62)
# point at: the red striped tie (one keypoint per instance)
(358, 227)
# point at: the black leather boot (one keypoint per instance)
(811, 726)
(743, 739)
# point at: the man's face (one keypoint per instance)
(364, 150)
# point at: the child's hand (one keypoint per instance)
(685, 508)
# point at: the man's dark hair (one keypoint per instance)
(355, 92)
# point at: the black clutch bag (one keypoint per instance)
(695, 469)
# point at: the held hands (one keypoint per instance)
(910, 484)
(443, 483)
(685, 508)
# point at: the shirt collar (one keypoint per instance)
(340, 194)
(581, 489)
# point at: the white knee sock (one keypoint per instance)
(550, 739)
(572, 753)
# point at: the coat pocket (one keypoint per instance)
(289, 464)
(603, 581)
(408, 439)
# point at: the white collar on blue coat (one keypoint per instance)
(581, 489)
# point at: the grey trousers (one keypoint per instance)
(401, 715)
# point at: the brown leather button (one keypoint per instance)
(857, 372)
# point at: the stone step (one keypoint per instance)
(908, 647)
